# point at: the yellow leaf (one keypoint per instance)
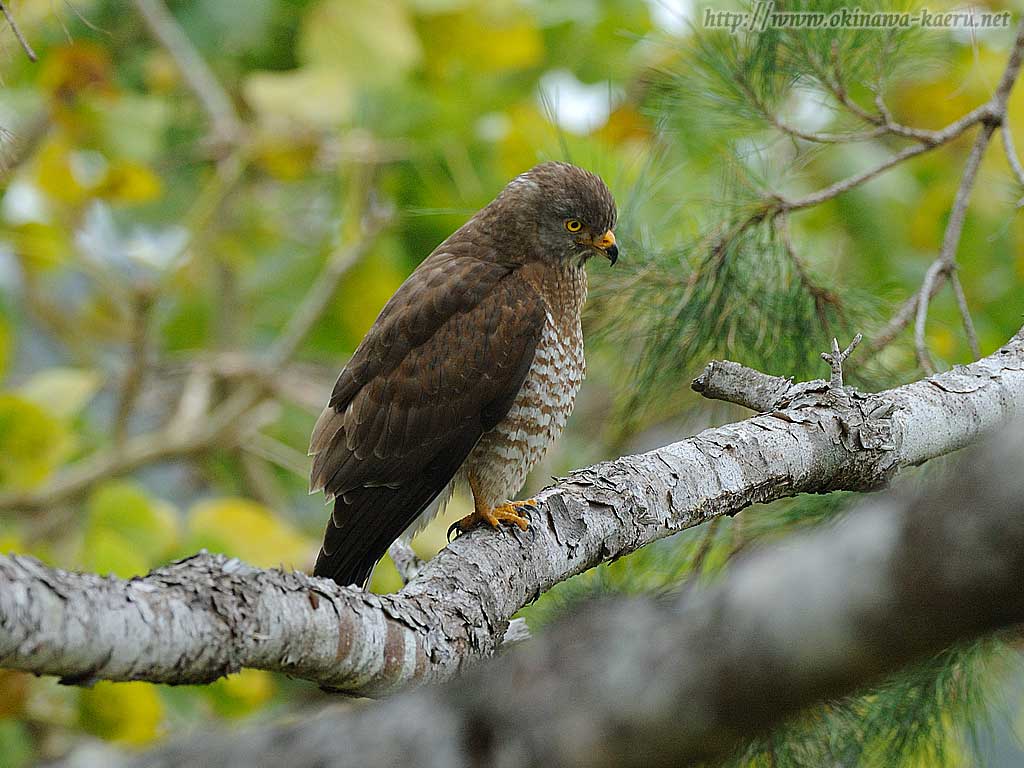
(11, 542)
(129, 713)
(54, 174)
(40, 246)
(943, 341)
(108, 552)
(160, 71)
(63, 392)
(367, 287)
(247, 530)
(927, 218)
(286, 156)
(482, 39)
(127, 531)
(32, 442)
(371, 41)
(241, 693)
(69, 70)
(317, 97)
(128, 182)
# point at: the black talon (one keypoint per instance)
(454, 527)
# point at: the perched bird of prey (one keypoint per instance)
(468, 373)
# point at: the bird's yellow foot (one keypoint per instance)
(503, 513)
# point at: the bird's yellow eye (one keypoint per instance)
(573, 225)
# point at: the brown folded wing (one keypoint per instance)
(441, 365)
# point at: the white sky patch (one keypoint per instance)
(577, 107)
(493, 126)
(24, 203)
(101, 240)
(808, 110)
(672, 16)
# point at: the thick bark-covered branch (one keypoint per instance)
(643, 682)
(206, 616)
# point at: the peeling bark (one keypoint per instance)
(645, 682)
(208, 615)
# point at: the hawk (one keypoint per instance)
(468, 373)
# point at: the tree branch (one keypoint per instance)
(17, 33)
(735, 383)
(226, 127)
(325, 287)
(642, 682)
(946, 262)
(138, 351)
(994, 114)
(203, 617)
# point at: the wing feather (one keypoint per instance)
(441, 365)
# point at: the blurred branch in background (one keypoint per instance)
(641, 681)
(196, 426)
(226, 127)
(166, 628)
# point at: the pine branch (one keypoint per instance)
(17, 33)
(945, 264)
(916, 308)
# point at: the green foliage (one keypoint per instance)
(912, 719)
(128, 532)
(32, 442)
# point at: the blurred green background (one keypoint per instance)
(150, 256)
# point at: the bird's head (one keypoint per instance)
(566, 212)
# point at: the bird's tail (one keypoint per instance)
(349, 553)
(365, 522)
(355, 571)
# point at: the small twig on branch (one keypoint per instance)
(17, 33)
(324, 288)
(836, 358)
(965, 315)
(1012, 157)
(928, 287)
(735, 383)
(407, 562)
(946, 262)
(131, 384)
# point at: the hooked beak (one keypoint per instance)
(607, 244)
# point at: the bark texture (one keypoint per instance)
(208, 615)
(646, 683)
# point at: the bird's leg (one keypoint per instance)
(502, 513)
